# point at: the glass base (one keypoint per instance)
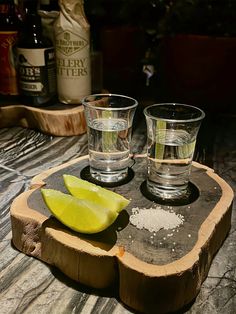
(169, 193)
(108, 176)
(189, 197)
(86, 175)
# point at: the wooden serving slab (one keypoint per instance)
(59, 120)
(156, 272)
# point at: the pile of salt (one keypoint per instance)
(155, 219)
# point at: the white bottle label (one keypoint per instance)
(73, 66)
(37, 73)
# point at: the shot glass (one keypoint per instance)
(109, 119)
(171, 137)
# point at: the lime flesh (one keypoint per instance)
(86, 190)
(78, 214)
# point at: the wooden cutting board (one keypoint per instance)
(156, 272)
(59, 120)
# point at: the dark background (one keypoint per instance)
(191, 45)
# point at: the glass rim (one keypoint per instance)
(202, 113)
(86, 104)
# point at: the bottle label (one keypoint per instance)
(8, 76)
(37, 71)
(73, 66)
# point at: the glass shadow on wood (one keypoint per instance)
(191, 195)
(85, 175)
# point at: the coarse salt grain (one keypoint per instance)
(155, 219)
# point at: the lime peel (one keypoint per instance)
(79, 215)
(86, 190)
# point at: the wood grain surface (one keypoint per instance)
(147, 267)
(57, 120)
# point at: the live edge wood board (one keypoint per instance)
(58, 120)
(155, 273)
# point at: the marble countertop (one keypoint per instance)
(27, 285)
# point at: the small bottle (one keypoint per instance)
(72, 42)
(9, 27)
(36, 61)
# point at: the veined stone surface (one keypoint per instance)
(27, 285)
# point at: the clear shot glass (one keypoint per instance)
(109, 119)
(171, 137)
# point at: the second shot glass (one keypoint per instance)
(171, 134)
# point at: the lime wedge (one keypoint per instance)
(86, 190)
(80, 215)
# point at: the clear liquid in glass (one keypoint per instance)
(109, 148)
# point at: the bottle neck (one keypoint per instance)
(9, 19)
(74, 10)
(31, 35)
(31, 7)
(32, 21)
(49, 5)
(32, 24)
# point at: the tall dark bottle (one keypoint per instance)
(36, 60)
(9, 27)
